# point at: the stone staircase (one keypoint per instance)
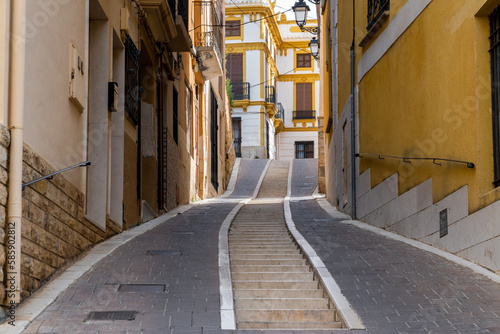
(274, 286)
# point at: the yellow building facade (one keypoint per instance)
(425, 131)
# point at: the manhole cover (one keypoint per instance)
(112, 315)
(142, 287)
(163, 252)
(181, 233)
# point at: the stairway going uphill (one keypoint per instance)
(274, 286)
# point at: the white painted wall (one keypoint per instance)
(475, 237)
(53, 126)
(287, 143)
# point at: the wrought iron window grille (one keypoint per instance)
(132, 77)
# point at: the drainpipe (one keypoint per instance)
(14, 204)
(353, 115)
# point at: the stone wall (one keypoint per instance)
(54, 229)
(4, 178)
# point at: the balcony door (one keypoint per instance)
(303, 100)
(234, 65)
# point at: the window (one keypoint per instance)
(132, 75)
(303, 101)
(303, 60)
(304, 150)
(175, 112)
(234, 66)
(375, 10)
(233, 28)
(495, 89)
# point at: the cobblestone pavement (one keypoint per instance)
(191, 301)
(394, 287)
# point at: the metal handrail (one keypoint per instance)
(241, 90)
(407, 159)
(81, 164)
(230, 146)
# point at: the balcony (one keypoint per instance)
(376, 8)
(241, 90)
(270, 94)
(208, 39)
(281, 112)
(279, 118)
(182, 42)
(304, 114)
(160, 19)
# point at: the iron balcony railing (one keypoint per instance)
(270, 94)
(209, 33)
(281, 112)
(241, 90)
(304, 114)
(375, 10)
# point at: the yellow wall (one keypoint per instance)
(428, 96)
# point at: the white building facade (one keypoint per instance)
(274, 97)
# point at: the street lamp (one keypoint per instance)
(300, 10)
(314, 46)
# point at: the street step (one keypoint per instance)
(269, 268)
(282, 316)
(278, 256)
(273, 276)
(279, 293)
(274, 287)
(289, 325)
(267, 262)
(282, 303)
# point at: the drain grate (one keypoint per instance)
(181, 233)
(112, 315)
(163, 252)
(324, 220)
(142, 288)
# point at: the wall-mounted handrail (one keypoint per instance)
(227, 153)
(81, 164)
(407, 159)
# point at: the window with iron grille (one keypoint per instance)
(132, 75)
(175, 112)
(304, 150)
(495, 89)
(303, 60)
(233, 28)
(375, 10)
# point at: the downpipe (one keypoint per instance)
(16, 115)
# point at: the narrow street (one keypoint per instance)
(167, 278)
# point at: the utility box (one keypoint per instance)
(76, 78)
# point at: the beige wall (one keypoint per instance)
(4, 58)
(53, 126)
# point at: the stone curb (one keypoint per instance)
(342, 305)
